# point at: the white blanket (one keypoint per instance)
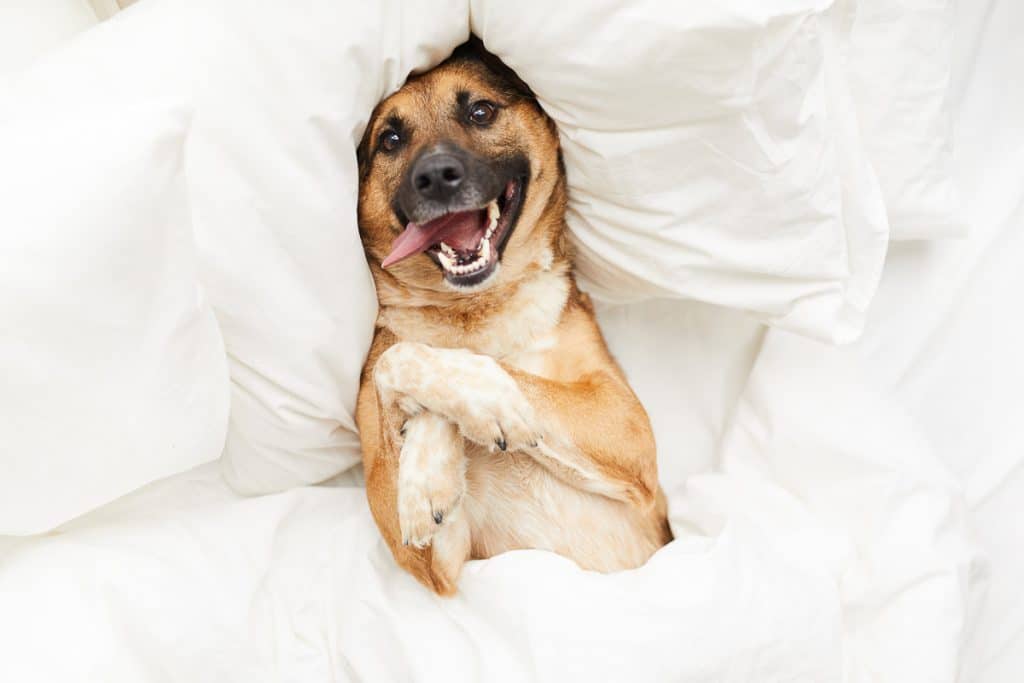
(187, 580)
(946, 333)
(821, 552)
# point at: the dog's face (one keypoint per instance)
(461, 181)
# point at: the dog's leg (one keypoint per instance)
(591, 431)
(415, 480)
(597, 435)
(431, 478)
(431, 484)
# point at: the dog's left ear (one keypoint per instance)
(363, 148)
(474, 49)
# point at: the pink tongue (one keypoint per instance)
(461, 231)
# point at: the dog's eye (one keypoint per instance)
(389, 140)
(481, 113)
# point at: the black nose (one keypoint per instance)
(437, 176)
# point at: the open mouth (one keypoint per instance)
(467, 244)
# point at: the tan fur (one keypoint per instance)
(497, 419)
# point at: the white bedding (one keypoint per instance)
(820, 552)
(809, 547)
(946, 333)
(186, 581)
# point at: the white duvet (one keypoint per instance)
(817, 496)
(820, 552)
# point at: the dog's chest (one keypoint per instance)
(519, 331)
(533, 359)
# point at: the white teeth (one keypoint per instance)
(447, 263)
(483, 258)
(448, 250)
(493, 213)
(481, 261)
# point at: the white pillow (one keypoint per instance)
(899, 59)
(113, 368)
(31, 28)
(281, 97)
(710, 153)
(282, 104)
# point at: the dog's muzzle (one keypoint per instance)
(459, 210)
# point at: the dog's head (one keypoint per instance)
(461, 179)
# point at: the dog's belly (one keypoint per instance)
(513, 503)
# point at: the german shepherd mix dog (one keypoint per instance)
(491, 414)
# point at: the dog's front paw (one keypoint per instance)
(471, 390)
(492, 410)
(431, 477)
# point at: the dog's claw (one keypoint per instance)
(438, 517)
(501, 443)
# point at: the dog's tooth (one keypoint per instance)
(493, 214)
(446, 262)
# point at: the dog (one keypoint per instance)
(491, 414)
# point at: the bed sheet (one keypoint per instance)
(946, 334)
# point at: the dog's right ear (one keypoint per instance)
(473, 49)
